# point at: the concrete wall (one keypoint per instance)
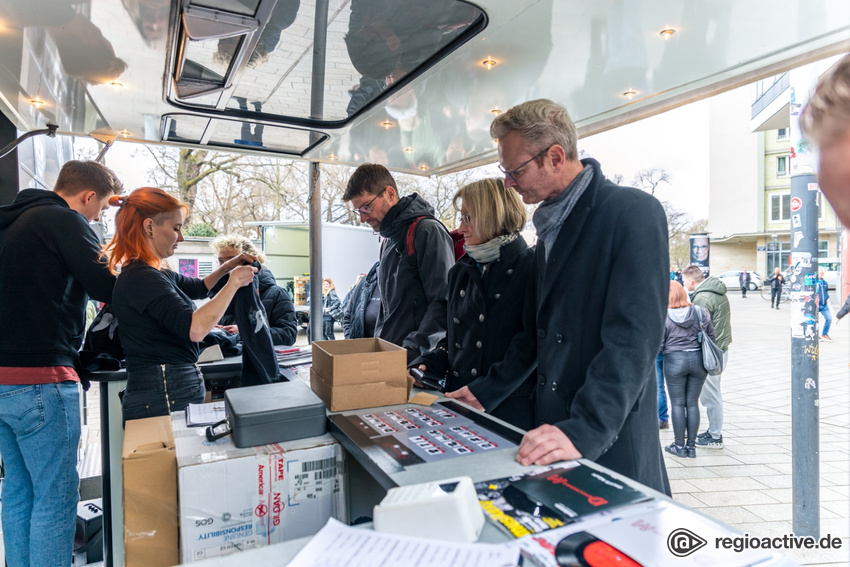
(734, 196)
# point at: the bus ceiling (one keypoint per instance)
(410, 84)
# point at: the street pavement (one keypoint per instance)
(748, 483)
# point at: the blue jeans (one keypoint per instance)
(159, 389)
(827, 318)
(39, 436)
(662, 394)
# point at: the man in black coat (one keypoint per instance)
(413, 287)
(602, 287)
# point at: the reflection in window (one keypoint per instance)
(206, 60)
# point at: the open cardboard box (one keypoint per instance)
(359, 373)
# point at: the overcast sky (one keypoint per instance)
(676, 141)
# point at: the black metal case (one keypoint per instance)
(274, 413)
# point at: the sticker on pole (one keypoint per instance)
(796, 204)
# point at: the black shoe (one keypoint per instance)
(674, 449)
(704, 435)
(710, 442)
(692, 452)
(663, 424)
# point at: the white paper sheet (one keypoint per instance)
(204, 414)
(337, 545)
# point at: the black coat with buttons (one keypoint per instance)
(485, 316)
(601, 305)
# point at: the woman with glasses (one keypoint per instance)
(484, 357)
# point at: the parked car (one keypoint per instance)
(732, 282)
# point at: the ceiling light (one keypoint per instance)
(497, 111)
(387, 124)
(489, 63)
(629, 94)
(667, 32)
(116, 84)
(408, 149)
(423, 167)
(37, 102)
(332, 157)
(124, 133)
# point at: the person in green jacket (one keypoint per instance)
(711, 293)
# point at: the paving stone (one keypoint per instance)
(734, 498)
(727, 483)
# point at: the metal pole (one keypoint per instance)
(805, 439)
(317, 100)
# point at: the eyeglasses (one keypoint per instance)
(464, 219)
(514, 173)
(367, 209)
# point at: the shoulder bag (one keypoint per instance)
(712, 356)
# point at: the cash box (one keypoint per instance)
(274, 413)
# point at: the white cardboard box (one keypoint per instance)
(232, 499)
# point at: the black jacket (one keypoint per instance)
(413, 290)
(331, 302)
(279, 310)
(485, 316)
(354, 315)
(601, 305)
(844, 309)
(50, 264)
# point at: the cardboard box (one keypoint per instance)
(359, 373)
(150, 493)
(236, 499)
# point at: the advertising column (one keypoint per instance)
(700, 251)
(805, 465)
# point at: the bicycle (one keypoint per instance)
(786, 291)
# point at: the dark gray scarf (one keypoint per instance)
(550, 215)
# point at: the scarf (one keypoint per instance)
(550, 215)
(490, 250)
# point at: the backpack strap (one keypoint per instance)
(409, 246)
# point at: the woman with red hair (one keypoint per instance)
(683, 367)
(160, 326)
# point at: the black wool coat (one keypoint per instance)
(486, 314)
(601, 304)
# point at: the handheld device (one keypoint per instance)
(430, 381)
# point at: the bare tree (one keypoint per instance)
(650, 179)
(617, 179)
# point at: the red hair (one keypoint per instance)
(130, 242)
(678, 297)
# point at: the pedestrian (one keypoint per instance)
(331, 309)
(683, 367)
(280, 311)
(50, 265)
(160, 325)
(361, 314)
(744, 280)
(710, 293)
(490, 304)
(416, 255)
(602, 290)
(823, 305)
(663, 413)
(776, 280)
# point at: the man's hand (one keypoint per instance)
(467, 397)
(421, 367)
(232, 329)
(545, 445)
